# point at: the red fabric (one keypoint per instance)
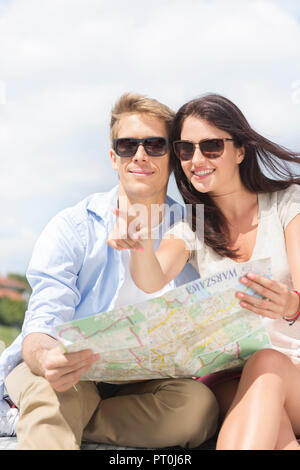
(219, 377)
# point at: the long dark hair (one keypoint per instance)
(259, 153)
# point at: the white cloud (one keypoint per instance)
(16, 246)
(64, 62)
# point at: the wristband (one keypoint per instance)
(295, 318)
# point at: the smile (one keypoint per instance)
(141, 172)
(203, 173)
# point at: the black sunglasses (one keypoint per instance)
(154, 146)
(210, 148)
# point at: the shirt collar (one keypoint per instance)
(102, 204)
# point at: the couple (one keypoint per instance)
(82, 263)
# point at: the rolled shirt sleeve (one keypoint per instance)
(52, 274)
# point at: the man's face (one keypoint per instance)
(142, 177)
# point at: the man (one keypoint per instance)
(73, 274)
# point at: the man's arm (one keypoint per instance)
(35, 348)
(44, 357)
(52, 274)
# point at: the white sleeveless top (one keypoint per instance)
(275, 211)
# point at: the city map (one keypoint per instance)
(191, 331)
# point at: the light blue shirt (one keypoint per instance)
(73, 273)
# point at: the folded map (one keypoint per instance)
(191, 331)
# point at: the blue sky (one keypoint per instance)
(63, 63)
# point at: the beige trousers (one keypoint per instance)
(155, 413)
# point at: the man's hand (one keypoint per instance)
(64, 370)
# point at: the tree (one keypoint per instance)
(21, 278)
(12, 312)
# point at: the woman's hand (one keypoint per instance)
(278, 300)
(126, 234)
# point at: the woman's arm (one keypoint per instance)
(278, 300)
(151, 270)
(292, 240)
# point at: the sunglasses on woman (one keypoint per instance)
(210, 148)
(154, 146)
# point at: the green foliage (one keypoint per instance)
(21, 278)
(12, 312)
(7, 336)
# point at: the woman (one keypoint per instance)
(248, 214)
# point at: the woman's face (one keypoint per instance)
(215, 176)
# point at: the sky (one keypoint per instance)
(63, 64)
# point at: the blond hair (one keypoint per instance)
(136, 103)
